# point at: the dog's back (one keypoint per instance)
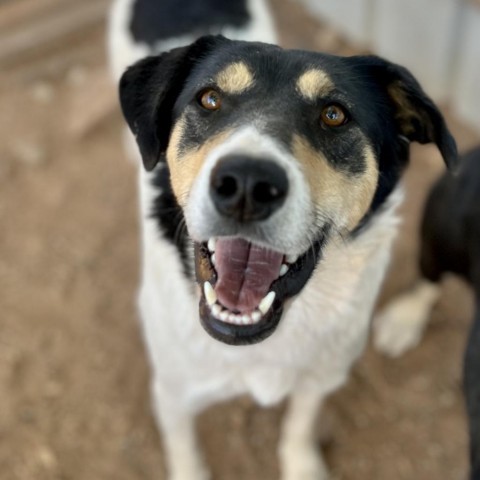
(451, 226)
(138, 28)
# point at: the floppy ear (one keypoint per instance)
(416, 116)
(149, 89)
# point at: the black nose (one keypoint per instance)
(248, 189)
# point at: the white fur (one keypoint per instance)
(400, 325)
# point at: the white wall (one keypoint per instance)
(352, 17)
(419, 34)
(466, 85)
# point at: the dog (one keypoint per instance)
(268, 210)
(450, 243)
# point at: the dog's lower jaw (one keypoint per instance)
(235, 334)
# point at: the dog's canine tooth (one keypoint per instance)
(211, 244)
(256, 316)
(291, 258)
(283, 270)
(212, 259)
(266, 303)
(210, 295)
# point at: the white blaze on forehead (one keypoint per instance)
(235, 78)
(314, 83)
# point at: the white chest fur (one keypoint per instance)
(322, 332)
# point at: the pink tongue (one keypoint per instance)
(245, 272)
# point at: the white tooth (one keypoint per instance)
(223, 315)
(232, 318)
(256, 316)
(216, 310)
(210, 295)
(283, 269)
(211, 244)
(212, 259)
(246, 319)
(291, 258)
(266, 303)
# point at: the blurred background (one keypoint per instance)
(74, 400)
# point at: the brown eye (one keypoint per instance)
(210, 100)
(334, 116)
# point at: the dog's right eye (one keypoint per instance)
(210, 99)
(334, 115)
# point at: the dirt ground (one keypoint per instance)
(73, 376)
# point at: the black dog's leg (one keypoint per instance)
(472, 392)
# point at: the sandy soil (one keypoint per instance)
(73, 377)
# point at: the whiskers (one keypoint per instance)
(180, 230)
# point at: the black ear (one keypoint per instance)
(417, 117)
(149, 89)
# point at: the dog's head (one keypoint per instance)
(272, 153)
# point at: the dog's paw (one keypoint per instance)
(187, 474)
(400, 326)
(394, 334)
(303, 464)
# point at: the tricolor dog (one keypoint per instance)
(268, 204)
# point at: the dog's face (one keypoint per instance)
(271, 154)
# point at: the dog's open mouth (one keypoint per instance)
(244, 286)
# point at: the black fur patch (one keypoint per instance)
(152, 20)
(169, 216)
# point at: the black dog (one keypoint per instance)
(451, 243)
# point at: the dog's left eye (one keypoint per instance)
(210, 99)
(334, 115)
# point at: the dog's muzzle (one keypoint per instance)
(245, 284)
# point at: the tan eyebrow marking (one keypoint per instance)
(235, 78)
(314, 83)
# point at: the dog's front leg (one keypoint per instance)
(300, 457)
(177, 423)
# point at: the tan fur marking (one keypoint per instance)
(185, 168)
(314, 83)
(407, 114)
(335, 194)
(236, 78)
